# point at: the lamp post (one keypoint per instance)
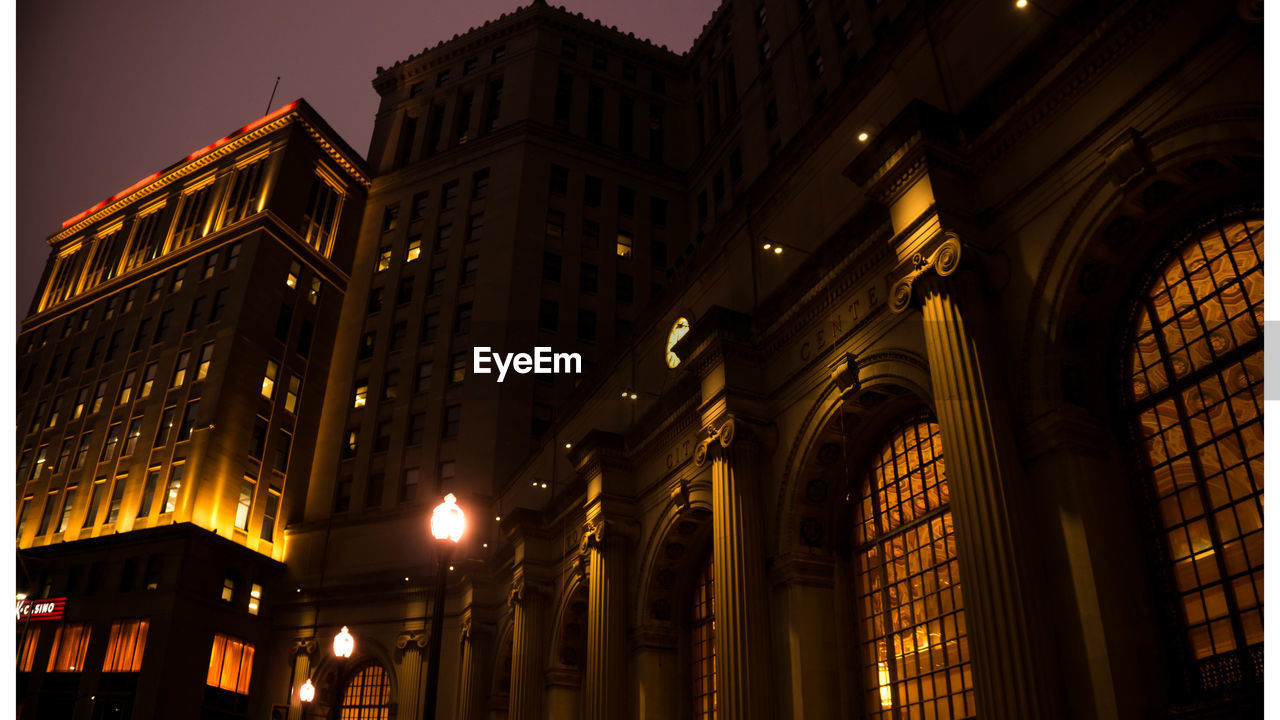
(447, 525)
(344, 644)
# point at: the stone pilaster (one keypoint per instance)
(744, 679)
(475, 642)
(528, 654)
(302, 651)
(982, 473)
(609, 545)
(410, 648)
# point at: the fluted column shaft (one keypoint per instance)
(472, 698)
(982, 474)
(607, 651)
(528, 652)
(409, 696)
(743, 679)
(301, 671)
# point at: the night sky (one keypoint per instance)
(110, 92)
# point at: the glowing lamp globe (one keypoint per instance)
(307, 692)
(448, 520)
(344, 643)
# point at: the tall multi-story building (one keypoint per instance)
(921, 379)
(171, 373)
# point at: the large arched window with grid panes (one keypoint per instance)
(1194, 399)
(702, 627)
(914, 652)
(367, 695)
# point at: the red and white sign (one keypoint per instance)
(47, 609)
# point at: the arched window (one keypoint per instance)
(914, 644)
(1195, 407)
(368, 695)
(703, 633)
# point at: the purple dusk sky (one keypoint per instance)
(110, 92)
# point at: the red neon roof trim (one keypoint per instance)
(202, 151)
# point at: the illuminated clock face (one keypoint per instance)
(678, 331)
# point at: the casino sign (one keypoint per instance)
(46, 609)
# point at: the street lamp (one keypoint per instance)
(448, 522)
(307, 692)
(344, 643)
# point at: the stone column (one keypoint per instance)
(302, 650)
(410, 647)
(472, 698)
(528, 654)
(983, 475)
(608, 543)
(744, 680)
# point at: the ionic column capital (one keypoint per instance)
(408, 639)
(305, 646)
(931, 266)
(524, 590)
(733, 431)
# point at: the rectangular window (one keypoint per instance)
(480, 184)
(210, 266)
(304, 338)
(398, 332)
(390, 384)
(117, 497)
(458, 368)
(590, 234)
(206, 358)
(126, 645)
(139, 338)
(269, 513)
(197, 311)
(64, 456)
(82, 451)
(430, 327)
(564, 99)
(435, 284)
(130, 437)
(626, 201)
(384, 258)
(112, 444)
(149, 492)
(625, 243)
(463, 126)
(219, 303)
(247, 486)
(475, 227)
(342, 495)
(424, 376)
(180, 369)
(595, 112)
(291, 278)
(230, 664)
(462, 319)
(417, 428)
(95, 502)
(192, 215)
(165, 427)
(452, 421)
(148, 241)
(470, 268)
(373, 491)
(321, 215)
(551, 266)
(555, 224)
(589, 278)
(68, 503)
(172, 488)
(415, 248)
(70, 643)
(281, 463)
(361, 394)
(24, 514)
(446, 472)
(188, 420)
(404, 291)
(419, 208)
(625, 288)
(283, 320)
(291, 393)
(559, 180)
(269, 379)
(375, 301)
(258, 440)
(112, 346)
(409, 485)
(30, 640)
(449, 195)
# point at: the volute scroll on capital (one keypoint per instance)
(732, 429)
(943, 261)
(305, 647)
(522, 590)
(409, 638)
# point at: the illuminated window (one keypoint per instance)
(230, 664)
(149, 492)
(246, 501)
(46, 517)
(130, 437)
(172, 488)
(1195, 406)
(313, 296)
(188, 420)
(165, 426)
(269, 379)
(148, 379)
(95, 504)
(415, 249)
(246, 192)
(126, 645)
(228, 589)
(82, 450)
(27, 658)
(117, 497)
(362, 393)
(70, 643)
(291, 393)
(703, 627)
(255, 598)
(914, 646)
(269, 513)
(147, 242)
(294, 271)
(82, 399)
(384, 257)
(180, 369)
(624, 244)
(321, 215)
(206, 357)
(126, 388)
(367, 695)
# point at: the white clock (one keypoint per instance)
(678, 330)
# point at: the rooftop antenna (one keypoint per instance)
(273, 95)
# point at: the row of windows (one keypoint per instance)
(466, 120)
(600, 62)
(126, 645)
(563, 114)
